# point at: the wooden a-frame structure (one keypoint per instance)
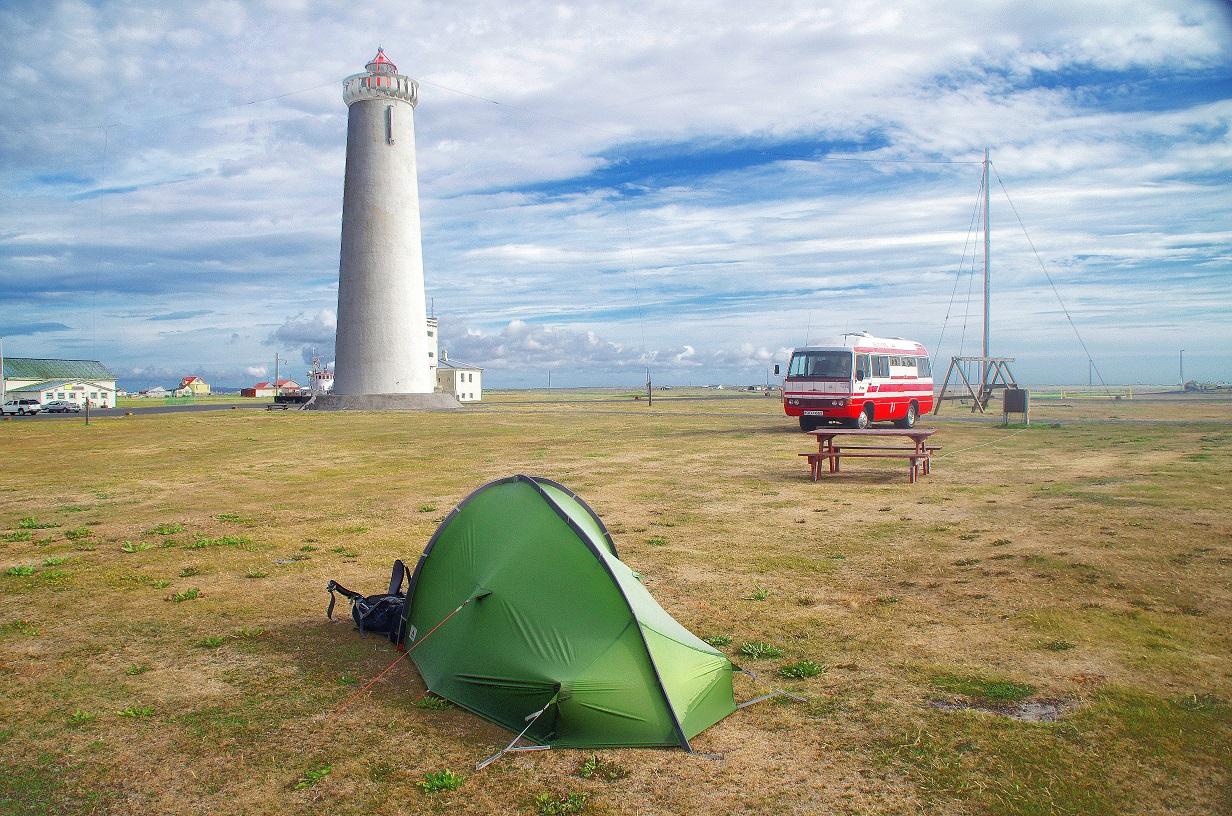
(993, 373)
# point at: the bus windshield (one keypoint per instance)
(821, 364)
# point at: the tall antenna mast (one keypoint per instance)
(994, 372)
(987, 258)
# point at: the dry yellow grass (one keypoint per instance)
(1087, 563)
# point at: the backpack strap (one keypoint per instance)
(334, 586)
(396, 578)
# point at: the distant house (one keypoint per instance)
(49, 380)
(269, 389)
(193, 387)
(463, 381)
(156, 391)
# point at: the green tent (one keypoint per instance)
(553, 621)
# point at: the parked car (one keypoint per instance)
(62, 407)
(24, 407)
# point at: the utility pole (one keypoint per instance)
(276, 389)
(549, 379)
(1182, 369)
(649, 389)
(3, 385)
(987, 258)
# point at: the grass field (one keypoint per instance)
(164, 650)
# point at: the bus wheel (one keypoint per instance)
(913, 413)
(808, 423)
(864, 419)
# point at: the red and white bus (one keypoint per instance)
(857, 380)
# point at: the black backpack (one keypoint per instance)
(381, 614)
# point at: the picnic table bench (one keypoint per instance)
(831, 449)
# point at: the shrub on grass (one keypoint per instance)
(800, 670)
(427, 508)
(31, 523)
(78, 533)
(656, 541)
(189, 572)
(312, 777)
(55, 560)
(255, 573)
(137, 712)
(597, 767)
(718, 641)
(445, 780)
(167, 529)
(19, 627)
(431, 702)
(140, 546)
(549, 804)
(757, 650)
(79, 718)
(220, 541)
(759, 594)
(1058, 645)
(17, 535)
(186, 595)
(211, 642)
(19, 571)
(136, 669)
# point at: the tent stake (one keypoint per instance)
(530, 721)
(775, 693)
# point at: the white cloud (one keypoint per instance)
(256, 371)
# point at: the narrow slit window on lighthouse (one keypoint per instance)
(389, 124)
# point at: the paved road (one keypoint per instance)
(146, 409)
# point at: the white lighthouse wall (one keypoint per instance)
(382, 347)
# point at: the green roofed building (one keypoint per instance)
(53, 380)
(553, 622)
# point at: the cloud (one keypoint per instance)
(308, 327)
(521, 347)
(18, 329)
(313, 332)
(180, 315)
(255, 371)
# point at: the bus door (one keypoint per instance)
(864, 373)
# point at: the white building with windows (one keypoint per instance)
(48, 380)
(464, 381)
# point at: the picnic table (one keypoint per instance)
(832, 449)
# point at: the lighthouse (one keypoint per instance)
(382, 342)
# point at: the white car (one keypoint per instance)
(62, 407)
(23, 407)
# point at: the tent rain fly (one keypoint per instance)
(557, 621)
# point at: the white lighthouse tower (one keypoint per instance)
(382, 344)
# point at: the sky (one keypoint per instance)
(607, 188)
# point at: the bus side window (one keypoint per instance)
(863, 369)
(882, 365)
